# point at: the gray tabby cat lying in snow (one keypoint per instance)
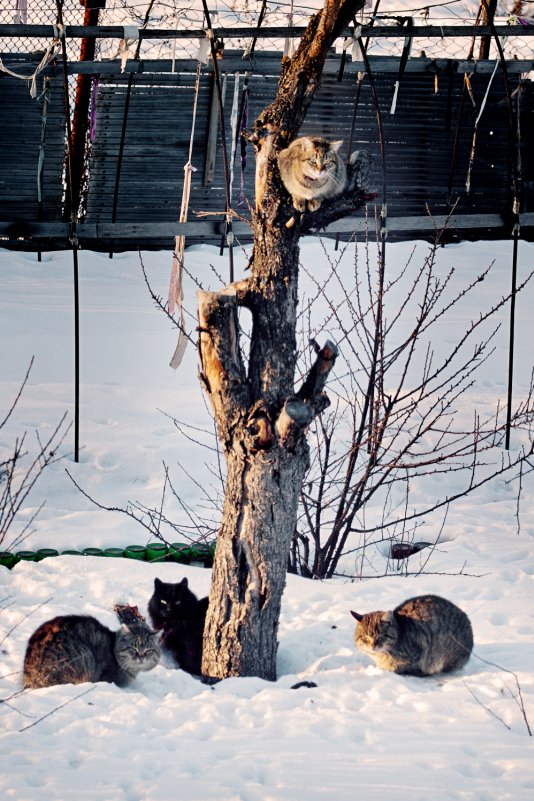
(72, 649)
(423, 636)
(312, 171)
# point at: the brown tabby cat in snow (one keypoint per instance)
(312, 171)
(72, 649)
(423, 636)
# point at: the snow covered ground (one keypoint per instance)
(360, 733)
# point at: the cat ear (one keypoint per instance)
(184, 582)
(356, 615)
(125, 629)
(336, 145)
(306, 142)
(387, 617)
(157, 584)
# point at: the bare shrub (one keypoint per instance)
(396, 419)
(21, 466)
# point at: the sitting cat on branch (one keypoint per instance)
(313, 172)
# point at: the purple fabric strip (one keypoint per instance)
(92, 117)
(244, 122)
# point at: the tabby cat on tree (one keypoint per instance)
(423, 636)
(312, 171)
(180, 616)
(71, 649)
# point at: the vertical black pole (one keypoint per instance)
(73, 239)
(515, 142)
(512, 340)
(76, 354)
(360, 78)
(120, 156)
(369, 401)
(517, 232)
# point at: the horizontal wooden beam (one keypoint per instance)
(213, 229)
(265, 64)
(374, 31)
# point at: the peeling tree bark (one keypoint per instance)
(261, 418)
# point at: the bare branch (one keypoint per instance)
(162, 305)
(57, 708)
(23, 618)
(518, 698)
(411, 430)
(20, 471)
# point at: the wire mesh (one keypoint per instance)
(188, 15)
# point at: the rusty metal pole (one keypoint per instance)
(80, 117)
(487, 14)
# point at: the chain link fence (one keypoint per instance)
(188, 15)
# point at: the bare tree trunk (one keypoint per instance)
(261, 420)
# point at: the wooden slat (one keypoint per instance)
(264, 63)
(418, 146)
(21, 120)
(214, 228)
(419, 140)
(376, 31)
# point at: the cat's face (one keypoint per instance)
(319, 157)
(136, 648)
(375, 632)
(167, 602)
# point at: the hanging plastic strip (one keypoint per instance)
(356, 42)
(21, 12)
(32, 79)
(176, 293)
(477, 120)
(289, 42)
(130, 33)
(406, 50)
(234, 126)
(44, 117)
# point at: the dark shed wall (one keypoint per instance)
(422, 161)
(428, 144)
(156, 147)
(23, 121)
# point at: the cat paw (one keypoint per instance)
(299, 204)
(313, 204)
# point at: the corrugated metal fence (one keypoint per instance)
(428, 145)
(32, 151)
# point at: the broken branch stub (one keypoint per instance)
(310, 401)
(293, 419)
(318, 375)
(222, 370)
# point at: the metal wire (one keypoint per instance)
(188, 14)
